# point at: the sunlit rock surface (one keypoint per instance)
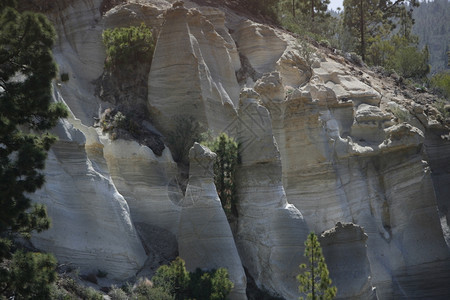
(205, 238)
(91, 224)
(344, 248)
(271, 232)
(320, 143)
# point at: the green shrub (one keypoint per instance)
(200, 285)
(441, 82)
(144, 290)
(117, 293)
(402, 115)
(411, 63)
(75, 289)
(227, 159)
(173, 278)
(101, 274)
(442, 106)
(64, 77)
(306, 52)
(128, 44)
(28, 275)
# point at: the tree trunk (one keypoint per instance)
(293, 8)
(361, 25)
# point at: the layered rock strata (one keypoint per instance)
(345, 250)
(320, 144)
(193, 71)
(271, 232)
(205, 239)
(91, 224)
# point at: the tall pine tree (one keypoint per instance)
(26, 112)
(315, 281)
(365, 19)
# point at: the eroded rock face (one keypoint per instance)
(319, 145)
(92, 227)
(271, 232)
(193, 71)
(205, 238)
(345, 251)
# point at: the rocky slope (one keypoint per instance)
(322, 149)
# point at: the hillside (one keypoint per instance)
(325, 146)
(432, 25)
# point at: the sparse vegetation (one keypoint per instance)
(200, 285)
(117, 124)
(401, 114)
(227, 159)
(67, 287)
(64, 77)
(26, 115)
(128, 44)
(441, 83)
(315, 282)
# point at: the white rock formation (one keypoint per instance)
(345, 251)
(193, 71)
(205, 239)
(92, 228)
(318, 144)
(271, 232)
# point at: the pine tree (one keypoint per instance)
(224, 169)
(315, 281)
(315, 9)
(364, 19)
(26, 112)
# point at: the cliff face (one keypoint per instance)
(319, 144)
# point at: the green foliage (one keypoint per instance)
(200, 285)
(402, 115)
(315, 24)
(26, 112)
(64, 77)
(117, 293)
(364, 20)
(432, 26)
(305, 51)
(411, 63)
(173, 278)
(227, 159)
(114, 121)
(187, 131)
(441, 82)
(315, 282)
(101, 274)
(68, 288)
(28, 276)
(128, 44)
(26, 71)
(144, 290)
(266, 8)
(221, 285)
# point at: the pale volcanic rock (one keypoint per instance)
(369, 123)
(91, 223)
(146, 181)
(205, 239)
(192, 72)
(262, 45)
(270, 231)
(319, 145)
(80, 53)
(332, 173)
(345, 251)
